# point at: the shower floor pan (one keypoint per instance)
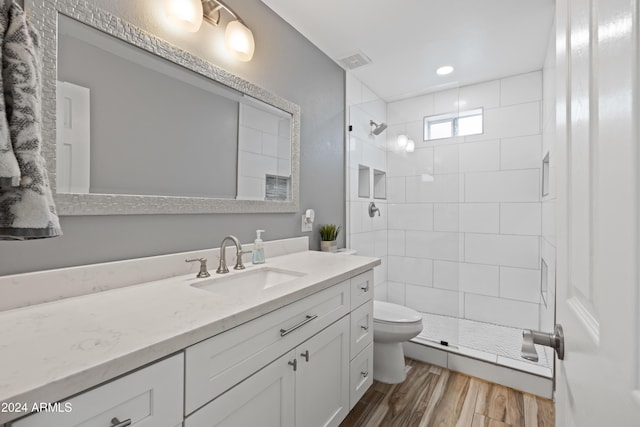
(495, 344)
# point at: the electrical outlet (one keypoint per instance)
(306, 227)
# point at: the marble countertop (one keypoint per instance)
(54, 350)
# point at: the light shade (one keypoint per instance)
(186, 14)
(444, 70)
(239, 41)
(411, 146)
(402, 141)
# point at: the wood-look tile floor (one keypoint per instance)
(433, 396)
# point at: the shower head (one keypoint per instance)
(377, 128)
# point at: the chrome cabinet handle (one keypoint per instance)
(115, 422)
(305, 355)
(365, 288)
(307, 319)
(294, 364)
(366, 328)
(364, 374)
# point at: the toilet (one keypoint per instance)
(392, 325)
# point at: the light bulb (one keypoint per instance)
(239, 40)
(402, 141)
(187, 14)
(411, 146)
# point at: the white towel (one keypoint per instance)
(26, 211)
(9, 169)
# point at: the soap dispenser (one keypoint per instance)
(258, 250)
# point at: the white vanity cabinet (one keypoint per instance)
(149, 397)
(307, 386)
(304, 364)
(215, 365)
(304, 378)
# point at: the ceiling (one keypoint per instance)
(407, 40)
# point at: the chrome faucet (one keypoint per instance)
(222, 267)
(373, 209)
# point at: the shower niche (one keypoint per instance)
(379, 184)
(364, 182)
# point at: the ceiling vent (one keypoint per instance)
(356, 60)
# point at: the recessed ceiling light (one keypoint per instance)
(443, 71)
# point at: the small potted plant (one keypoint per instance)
(328, 235)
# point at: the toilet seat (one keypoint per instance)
(388, 313)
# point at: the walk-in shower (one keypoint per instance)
(461, 231)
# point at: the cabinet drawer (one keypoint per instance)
(217, 364)
(361, 327)
(150, 397)
(361, 289)
(361, 375)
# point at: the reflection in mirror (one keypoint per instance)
(264, 153)
(147, 128)
(130, 122)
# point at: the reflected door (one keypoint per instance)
(73, 134)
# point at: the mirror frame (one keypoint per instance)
(44, 16)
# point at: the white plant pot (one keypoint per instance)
(329, 245)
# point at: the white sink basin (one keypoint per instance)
(250, 280)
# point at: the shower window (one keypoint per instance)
(455, 124)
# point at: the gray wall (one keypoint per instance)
(284, 63)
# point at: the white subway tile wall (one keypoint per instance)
(463, 226)
(466, 212)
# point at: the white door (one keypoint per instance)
(597, 213)
(73, 138)
(322, 378)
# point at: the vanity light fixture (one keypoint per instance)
(237, 37)
(189, 14)
(186, 14)
(444, 70)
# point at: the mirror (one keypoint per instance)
(143, 127)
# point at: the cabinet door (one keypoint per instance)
(265, 399)
(322, 378)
